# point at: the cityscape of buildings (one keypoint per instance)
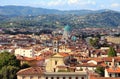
(66, 53)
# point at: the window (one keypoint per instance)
(63, 77)
(76, 77)
(54, 69)
(106, 62)
(119, 63)
(52, 77)
(31, 77)
(55, 50)
(110, 75)
(119, 75)
(109, 63)
(82, 78)
(116, 75)
(23, 77)
(70, 78)
(55, 62)
(39, 77)
(30, 54)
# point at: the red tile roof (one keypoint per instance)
(113, 70)
(24, 58)
(92, 76)
(87, 65)
(31, 71)
(64, 54)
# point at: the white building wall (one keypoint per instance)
(92, 61)
(106, 73)
(24, 52)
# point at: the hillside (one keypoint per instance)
(19, 16)
(25, 11)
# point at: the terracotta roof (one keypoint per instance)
(24, 58)
(104, 77)
(113, 70)
(64, 54)
(39, 58)
(31, 71)
(103, 65)
(93, 76)
(109, 59)
(87, 65)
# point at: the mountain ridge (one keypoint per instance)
(40, 17)
(27, 10)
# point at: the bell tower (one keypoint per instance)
(55, 45)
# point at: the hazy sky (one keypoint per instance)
(66, 4)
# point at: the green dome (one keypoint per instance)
(67, 28)
(74, 38)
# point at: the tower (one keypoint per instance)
(55, 45)
(66, 33)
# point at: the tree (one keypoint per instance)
(100, 70)
(7, 59)
(111, 52)
(8, 72)
(9, 66)
(94, 42)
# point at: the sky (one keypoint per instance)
(66, 4)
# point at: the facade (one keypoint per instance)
(28, 52)
(53, 62)
(112, 72)
(113, 69)
(66, 75)
(112, 39)
(38, 73)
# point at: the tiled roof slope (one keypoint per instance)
(31, 71)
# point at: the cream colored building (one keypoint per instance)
(113, 39)
(38, 73)
(53, 62)
(64, 49)
(26, 52)
(44, 37)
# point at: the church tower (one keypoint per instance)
(55, 45)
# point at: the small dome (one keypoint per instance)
(67, 28)
(74, 38)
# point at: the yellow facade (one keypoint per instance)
(54, 61)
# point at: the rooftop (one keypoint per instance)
(31, 71)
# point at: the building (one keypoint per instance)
(38, 73)
(66, 33)
(55, 68)
(26, 52)
(113, 39)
